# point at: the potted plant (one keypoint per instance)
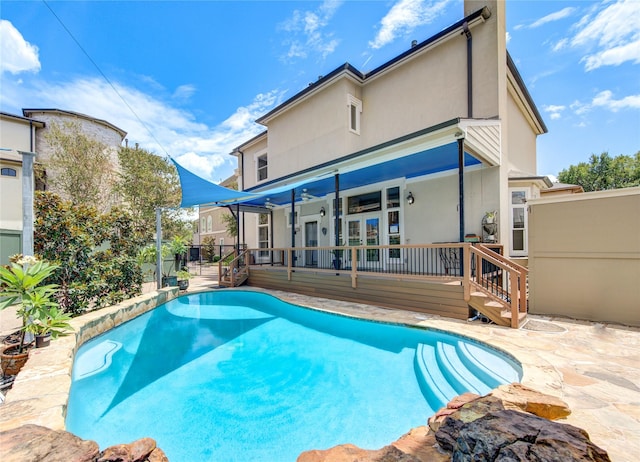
(183, 279)
(22, 284)
(490, 217)
(48, 322)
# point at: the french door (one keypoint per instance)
(364, 230)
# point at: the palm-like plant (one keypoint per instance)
(21, 283)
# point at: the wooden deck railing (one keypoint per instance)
(477, 267)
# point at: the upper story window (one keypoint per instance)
(355, 110)
(262, 167)
(6, 171)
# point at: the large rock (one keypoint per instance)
(32, 443)
(510, 435)
(519, 397)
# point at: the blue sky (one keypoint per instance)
(190, 78)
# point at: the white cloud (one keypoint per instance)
(17, 54)
(605, 100)
(554, 110)
(552, 17)
(184, 92)
(164, 129)
(306, 29)
(508, 38)
(561, 44)
(404, 17)
(612, 36)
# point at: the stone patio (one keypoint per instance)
(593, 367)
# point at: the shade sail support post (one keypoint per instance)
(159, 248)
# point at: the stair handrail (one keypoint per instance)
(234, 263)
(517, 278)
(505, 260)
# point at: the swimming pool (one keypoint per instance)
(240, 375)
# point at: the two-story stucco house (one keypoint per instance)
(415, 151)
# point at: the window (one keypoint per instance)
(9, 172)
(355, 109)
(518, 206)
(263, 234)
(262, 167)
(393, 220)
(361, 203)
(203, 225)
(209, 224)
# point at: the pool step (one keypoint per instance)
(450, 369)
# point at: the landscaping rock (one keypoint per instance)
(517, 396)
(510, 435)
(33, 443)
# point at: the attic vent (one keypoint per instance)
(413, 43)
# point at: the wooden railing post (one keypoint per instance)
(513, 294)
(354, 267)
(466, 280)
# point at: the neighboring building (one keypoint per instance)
(97, 129)
(388, 144)
(28, 133)
(211, 224)
(17, 134)
(562, 188)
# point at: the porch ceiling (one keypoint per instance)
(425, 162)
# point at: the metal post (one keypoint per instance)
(337, 209)
(293, 226)
(461, 186)
(159, 248)
(27, 201)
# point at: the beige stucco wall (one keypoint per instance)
(15, 134)
(584, 256)
(522, 140)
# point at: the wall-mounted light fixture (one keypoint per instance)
(323, 212)
(410, 198)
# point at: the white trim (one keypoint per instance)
(586, 196)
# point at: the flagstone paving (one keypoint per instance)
(593, 367)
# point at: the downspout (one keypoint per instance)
(467, 33)
(293, 226)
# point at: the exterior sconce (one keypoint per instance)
(410, 198)
(323, 212)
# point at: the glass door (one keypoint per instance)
(311, 240)
(364, 231)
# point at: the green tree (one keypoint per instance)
(79, 167)
(604, 172)
(231, 224)
(145, 182)
(95, 253)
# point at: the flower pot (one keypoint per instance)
(11, 361)
(169, 281)
(183, 284)
(43, 340)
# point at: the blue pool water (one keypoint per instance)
(242, 376)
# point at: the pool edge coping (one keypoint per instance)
(40, 392)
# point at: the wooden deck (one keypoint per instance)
(447, 279)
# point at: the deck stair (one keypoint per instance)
(497, 287)
(445, 370)
(236, 272)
